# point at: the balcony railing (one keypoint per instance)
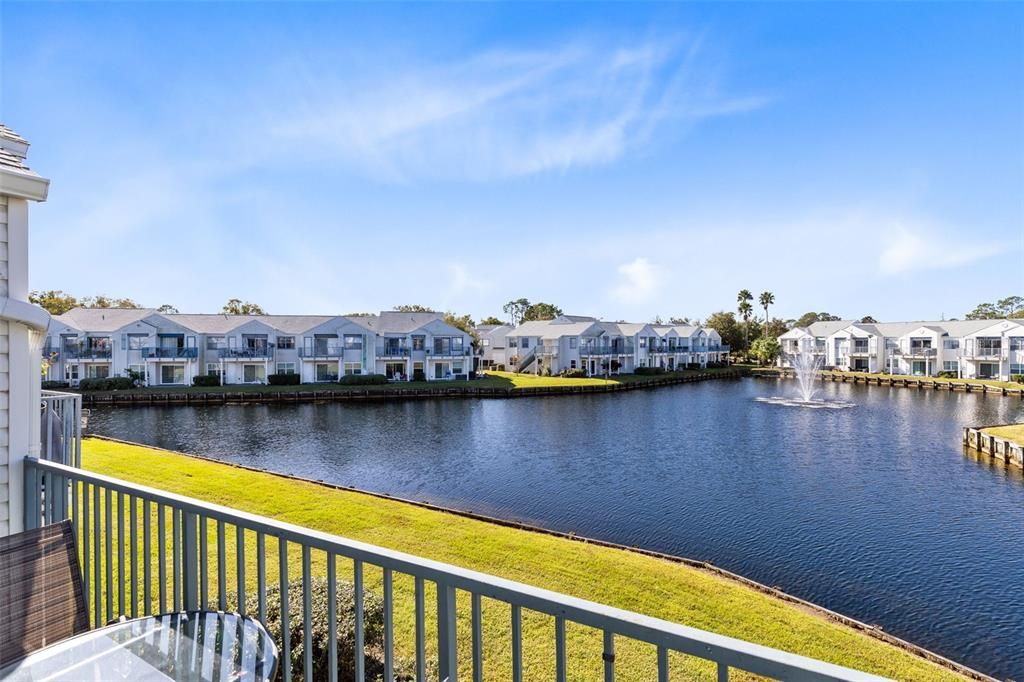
(169, 353)
(617, 349)
(191, 540)
(247, 353)
(79, 353)
(985, 352)
(322, 351)
(61, 427)
(392, 351)
(449, 352)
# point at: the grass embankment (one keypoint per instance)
(1014, 432)
(618, 577)
(497, 380)
(901, 377)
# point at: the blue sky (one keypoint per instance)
(620, 160)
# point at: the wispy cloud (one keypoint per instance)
(504, 113)
(637, 282)
(909, 248)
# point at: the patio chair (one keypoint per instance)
(41, 595)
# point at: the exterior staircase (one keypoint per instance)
(527, 360)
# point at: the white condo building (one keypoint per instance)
(571, 342)
(969, 349)
(171, 349)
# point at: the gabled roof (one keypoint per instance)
(549, 329)
(827, 328)
(570, 319)
(394, 322)
(220, 323)
(103, 319)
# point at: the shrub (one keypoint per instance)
(55, 385)
(107, 384)
(419, 375)
(1018, 378)
(206, 380)
(363, 380)
(649, 371)
(946, 375)
(573, 373)
(283, 379)
(373, 629)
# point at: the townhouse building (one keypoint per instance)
(969, 349)
(172, 349)
(493, 344)
(598, 348)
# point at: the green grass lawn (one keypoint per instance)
(617, 577)
(499, 380)
(1014, 432)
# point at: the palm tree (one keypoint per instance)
(766, 299)
(745, 310)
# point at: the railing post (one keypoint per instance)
(31, 496)
(189, 562)
(447, 644)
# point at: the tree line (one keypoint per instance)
(57, 302)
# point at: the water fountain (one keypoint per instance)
(806, 364)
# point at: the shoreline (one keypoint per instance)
(887, 380)
(461, 391)
(873, 631)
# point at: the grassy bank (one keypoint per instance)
(1014, 432)
(492, 380)
(901, 377)
(618, 577)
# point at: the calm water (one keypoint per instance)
(874, 511)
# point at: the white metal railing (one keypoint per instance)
(61, 427)
(191, 571)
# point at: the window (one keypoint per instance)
(1016, 342)
(1016, 368)
(525, 342)
(457, 368)
(172, 374)
(513, 342)
(353, 368)
(286, 342)
(572, 364)
(70, 372)
(215, 342)
(643, 342)
(951, 366)
(419, 342)
(97, 371)
(485, 342)
(99, 342)
(286, 368)
(920, 343)
(137, 371)
(353, 342)
(253, 373)
(950, 344)
(573, 342)
(212, 369)
(326, 371)
(137, 341)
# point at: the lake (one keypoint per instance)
(874, 511)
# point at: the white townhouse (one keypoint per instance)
(971, 349)
(409, 345)
(172, 349)
(493, 344)
(599, 348)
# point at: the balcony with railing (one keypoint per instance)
(618, 348)
(146, 551)
(87, 352)
(320, 351)
(444, 351)
(985, 352)
(389, 350)
(170, 353)
(261, 351)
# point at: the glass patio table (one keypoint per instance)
(191, 645)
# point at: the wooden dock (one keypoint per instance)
(997, 447)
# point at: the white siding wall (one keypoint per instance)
(5, 511)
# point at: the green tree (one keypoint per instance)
(746, 311)
(766, 299)
(1009, 307)
(107, 302)
(516, 310)
(867, 319)
(238, 307)
(766, 349)
(414, 308)
(775, 328)
(727, 326)
(1012, 306)
(54, 301)
(679, 320)
(358, 315)
(807, 319)
(541, 311)
(167, 308)
(491, 320)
